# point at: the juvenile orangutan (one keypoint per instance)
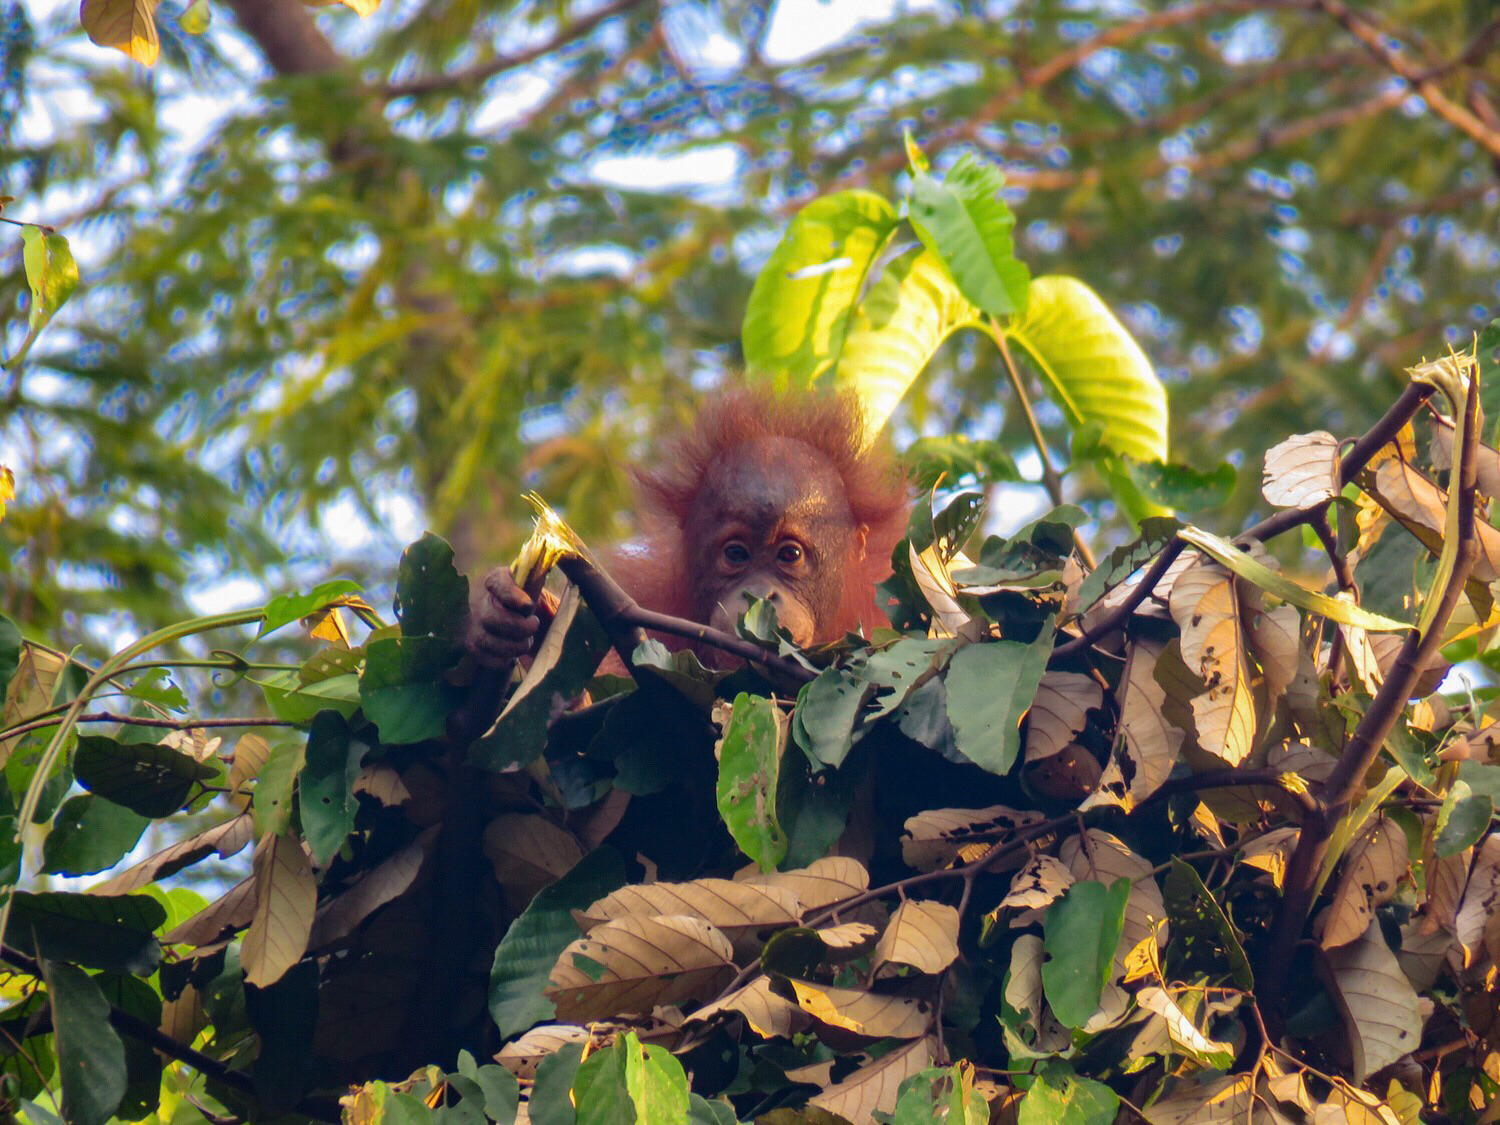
(770, 496)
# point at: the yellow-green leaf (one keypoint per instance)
(1093, 367)
(125, 25)
(52, 275)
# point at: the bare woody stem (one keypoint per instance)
(1376, 438)
(1336, 794)
(626, 621)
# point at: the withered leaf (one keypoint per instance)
(633, 964)
(1147, 745)
(1372, 869)
(768, 1015)
(876, 1085)
(819, 884)
(286, 895)
(1207, 610)
(1422, 508)
(528, 852)
(874, 1014)
(733, 908)
(934, 838)
(1378, 1003)
(923, 935)
(1302, 471)
(1059, 711)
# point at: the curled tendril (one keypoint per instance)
(228, 677)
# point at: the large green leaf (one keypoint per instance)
(110, 932)
(963, 220)
(800, 307)
(908, 311)
(1093, 367)
(90, 1056)
(1081, 931)
(990, 688)
(151, 780)
(90, 835)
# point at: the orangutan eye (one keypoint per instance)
(736, 554)
(790, 553)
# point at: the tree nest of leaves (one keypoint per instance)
(1182, 837)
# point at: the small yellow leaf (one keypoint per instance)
(7, 489)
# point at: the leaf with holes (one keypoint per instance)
(151, 780)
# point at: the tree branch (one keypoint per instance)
(482, 72)
(1336, 794)
(1423, 81)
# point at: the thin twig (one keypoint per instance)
(145, 721)
(1344, 574)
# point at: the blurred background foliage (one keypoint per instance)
(345, 278)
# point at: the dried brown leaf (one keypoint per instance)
(528, 852)
(227, 913)
(819, 884)
(1372, 869)
(633, 964)
(736, 909)
(768, 1015)
(923, 935)
(1481, 900)
(1302, 471)
(874, 1014)
(286, 895)
(522, 1056)
(933, 839)
(875, 1086)
(386, 881)
(1422, 507)
(1037, 885)
(1206, 607)
(1377, 1002)
(224, 839)
(1147, 746)
(1059, 711)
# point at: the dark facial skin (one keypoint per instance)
(771, 521)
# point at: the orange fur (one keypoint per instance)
(656, 573)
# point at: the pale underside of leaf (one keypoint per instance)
(633, 964)
(230, 911)
(126, 25)
(521, 1056)
(768, 1015)
(1059, 711)
(528, 852)
(1302, 471)
(1040, 883)
(1481, 901)
(386, 881)
(934, 838)
(921, 934)
(1372, 870)
(1270, 852)
(1206, 608)
(1147, 746)
(876, 1085)
(728, 906)
(223, 839)
(819, 884)
(1275, 635)
(865, 1013)
(1182, 1030)
(1378, 1003)
(286, 896)
(1422, 507)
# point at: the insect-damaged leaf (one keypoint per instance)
(1206, 608)
(151, 780)
(990, 687)
(286, 895)
(923, 935)
(633, 964)
(749, 756)
(1147, 744)
(1372, 870)
(937, 837)
(1059, 711)
(877, 1085)
(1040, 883)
